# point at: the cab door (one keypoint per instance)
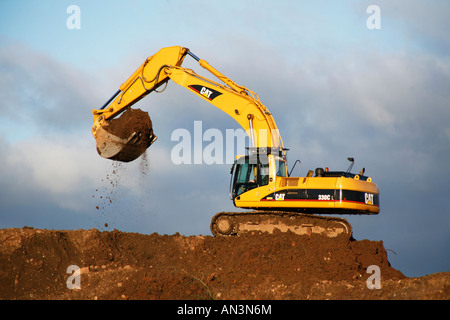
(247, 174)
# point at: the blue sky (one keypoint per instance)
(336, 89)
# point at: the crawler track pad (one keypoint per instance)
(240, 223)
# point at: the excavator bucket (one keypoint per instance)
(124, 138)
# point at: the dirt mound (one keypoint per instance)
(116, 265)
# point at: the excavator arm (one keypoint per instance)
(240, 103)
(146, 79)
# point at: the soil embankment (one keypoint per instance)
(117, 265)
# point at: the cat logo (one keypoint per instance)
(206, 92)
(279, 196)
(369, 198)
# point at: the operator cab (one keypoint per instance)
(249, 172)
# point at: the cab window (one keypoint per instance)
(280, 166)
(246, 173)
(264, 174)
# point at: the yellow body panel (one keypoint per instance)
(319, 203)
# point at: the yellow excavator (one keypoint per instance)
(260, 180)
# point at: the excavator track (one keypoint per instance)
(241, 223)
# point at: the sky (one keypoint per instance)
(339, 81)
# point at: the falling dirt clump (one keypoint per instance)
(119, 265)
(144, 165)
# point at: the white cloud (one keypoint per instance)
(60, 169)
(42, 93)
